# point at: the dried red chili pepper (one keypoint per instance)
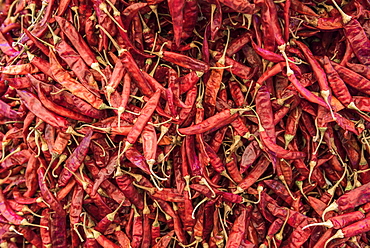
(75, 160)
(34, 105)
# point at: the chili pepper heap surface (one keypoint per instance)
(180, 123)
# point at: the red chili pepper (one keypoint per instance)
(77, 65)
(349, 231)
(239, 228)
(318, 72)
(184, 61)
(75, 212)
(124, 182)
(253, 176)
(142, 120)
(75, 160)
(242, 7)
(360, 43)
(360, 69)
(352, 78)
(122, 238)
(215, 122)
(35, 106)
(191, 11)
(78, 42)
(45, 233)
(30, 236)
(351, 199)
(341, 221)
(71, 84)
(6, 48)
(176, 8)
(236, 68)
(306, 93)
(55, 107)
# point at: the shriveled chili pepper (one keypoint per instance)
(34, 105)
(72, 85)
(341, 221)
(56, 108)
(75, 211)
(352, 78)
(253, 176)
(184, 61)
(215, 122)
(352, 199)
(239, 228)
(354, 229)
(75, 160)
(82, 48)
(140, 123)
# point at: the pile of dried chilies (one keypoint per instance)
(184, 123)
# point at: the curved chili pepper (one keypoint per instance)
(57, 108)
(75, 160)
(215, 122)
(34, 105)
(239, 228)
(352, 78)
(184, 61)
(71, 84)
(78, 42)
(360, 43)
(142, 120)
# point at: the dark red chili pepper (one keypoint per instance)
(253, 176)
(71, 84)
(241, 7)
(215, 122)
(239, 228)
(142, 120)
(75, 160)
(360, 43)
(352, 78)
(124, 182)
(349, 231)
(184, 61)
(351, 199)
(176, 8)
(57, 108)
(78, 42)
(35, 106)
(236, 68)
(360, 69)
(6, 48)
(77, 65)
(341, 221)
(122, 238)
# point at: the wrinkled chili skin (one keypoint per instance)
(354, 198)
(34, 105)
(358, 40)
